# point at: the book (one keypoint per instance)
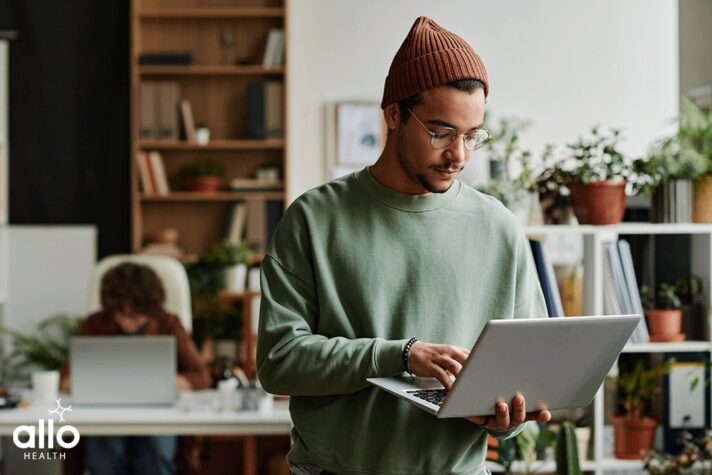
(147, 111)
(273, 96)
(167, 99)
(166, 59)
(274, 49)
(256, 226)
(142, 162)
(633, 290)
(159, 171)
(236, 224)
(151, 173)
(255, 111)
(547, 280)
(187, 120)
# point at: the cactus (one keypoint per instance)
(567, 458)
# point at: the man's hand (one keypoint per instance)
(502, 419)
(429, 360)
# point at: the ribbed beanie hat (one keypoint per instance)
(430, 56)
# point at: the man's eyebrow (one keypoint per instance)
(448, 124)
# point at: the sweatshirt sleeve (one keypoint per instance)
(294, 360)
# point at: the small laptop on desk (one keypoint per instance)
(556, 363)
(123, 370)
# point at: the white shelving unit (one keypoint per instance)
(593, 239)
(4, 157)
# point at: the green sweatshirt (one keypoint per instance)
(353, 270)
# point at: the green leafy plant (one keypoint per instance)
(689, 461)
(640, 385)
(695, 130)
(594, 158)
(669, 159)
(667, 297)
(203, 168)
(46, 348)
(567, 456)
(227, 253)
(512, 174)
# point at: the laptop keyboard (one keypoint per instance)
(433, 396)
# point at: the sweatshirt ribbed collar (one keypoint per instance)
(402, 201)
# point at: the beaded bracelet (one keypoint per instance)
(406, 354)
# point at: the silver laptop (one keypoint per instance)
(556, 363)
(123, 370)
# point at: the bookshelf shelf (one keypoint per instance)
(681, 347)
(210, 70)
(622, 228)
(211, 12)
(215, 197)
(227, 145)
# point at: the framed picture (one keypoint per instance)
(360, 133)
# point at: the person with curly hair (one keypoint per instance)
(132, 298)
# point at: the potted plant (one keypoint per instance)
(667, 173)
(664, 313)
(696, 132)
(203, 177)
(596, 173)
(36, 357)
(633, 430)
(233, 259)
(516, 191)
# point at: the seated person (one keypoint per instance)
(132, 299)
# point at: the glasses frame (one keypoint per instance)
(454, 135)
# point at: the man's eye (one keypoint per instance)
(441, 134)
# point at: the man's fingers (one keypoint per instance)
(441, 375)
(519, 412)
(459, 354)
(449, 364)
(502, 415)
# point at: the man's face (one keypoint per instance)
(428, 169)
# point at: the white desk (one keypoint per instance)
(163, 421)
(157, 421)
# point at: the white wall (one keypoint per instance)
(566, 65)
(49, 269)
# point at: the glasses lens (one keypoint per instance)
(442, 138)
(476, 140)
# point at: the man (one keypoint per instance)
(132, 298)
(361, 265)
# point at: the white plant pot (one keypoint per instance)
(235, 277)
(45, 387)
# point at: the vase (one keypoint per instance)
(665, 325)
(672, 202)
(600, 202)
(703, 200)
(633, 437)
(45, 387)
(203, 184)
(235, 278)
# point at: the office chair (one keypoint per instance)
(171, 272)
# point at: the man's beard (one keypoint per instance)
(422, 179)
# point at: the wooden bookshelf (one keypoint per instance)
(216, 90)
(215, 84)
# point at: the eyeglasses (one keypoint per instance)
(445, 136)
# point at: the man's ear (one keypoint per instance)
(391, 114)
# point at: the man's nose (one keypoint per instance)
(456, 151)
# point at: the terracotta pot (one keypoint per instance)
(633, 437)
(702, 209)
(665, 325)
(601, 202)
(203, 184)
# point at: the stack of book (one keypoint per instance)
(254, 223)
(620, 286)
(158, 110)
(547, 279)
(265, 110)
(152, 173)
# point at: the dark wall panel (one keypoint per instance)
(69, 115)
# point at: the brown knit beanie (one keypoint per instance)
(430, 56)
